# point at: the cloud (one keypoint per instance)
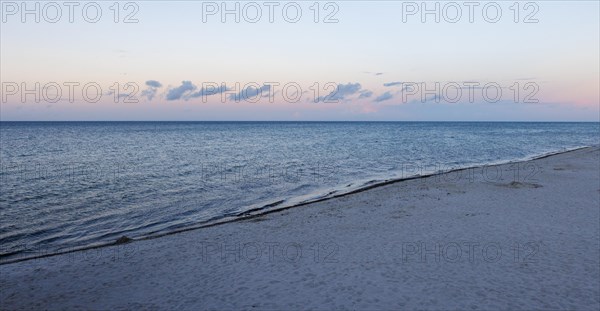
(435, 98)
(210, 91)
(249, 92)
(178, 92)
(373, 73)
(341, 92)
(384, 96)
(153, 83)
(121, 95)
(150, 92)
(391, 84)
(365, 94)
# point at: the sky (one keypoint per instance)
(352, 60)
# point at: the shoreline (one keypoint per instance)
(277, 207)
(530, 242)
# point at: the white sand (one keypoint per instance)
(368, 255)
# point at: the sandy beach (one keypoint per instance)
(514, 236)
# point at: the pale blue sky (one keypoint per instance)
(171, 44)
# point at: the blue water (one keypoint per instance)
(72, 184)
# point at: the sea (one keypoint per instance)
(70, 185)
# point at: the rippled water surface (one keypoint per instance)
(78, 183)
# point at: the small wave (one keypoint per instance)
(267, 206)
